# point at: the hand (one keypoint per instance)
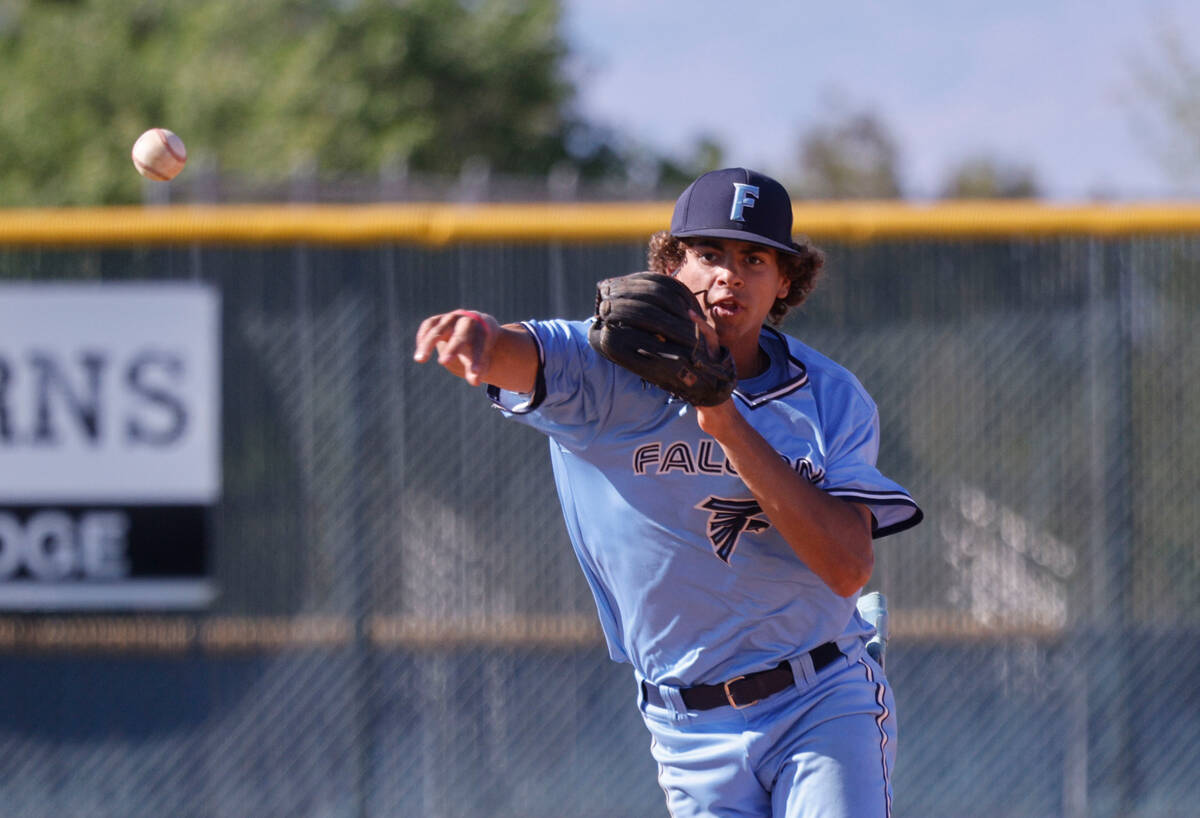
(720, 419)
(464, 341)
(707, 331)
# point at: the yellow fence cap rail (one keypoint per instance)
(865, 221)
(440, 224)
(430, 224)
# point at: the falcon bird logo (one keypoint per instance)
(727, 520)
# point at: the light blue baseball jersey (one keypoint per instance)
(693, 584)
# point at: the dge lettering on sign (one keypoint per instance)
(53, 545)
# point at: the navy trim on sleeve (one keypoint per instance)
(903, 525)
(883, 498)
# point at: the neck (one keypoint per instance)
(751, 362)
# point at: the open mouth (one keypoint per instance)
(724, 308)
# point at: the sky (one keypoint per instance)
(1042, 83)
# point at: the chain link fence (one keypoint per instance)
(402, 628)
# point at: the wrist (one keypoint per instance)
(718, 420)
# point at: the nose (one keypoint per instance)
(729, 274)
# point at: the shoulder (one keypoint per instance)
(558, 330)
(578, 386)
(560, 341)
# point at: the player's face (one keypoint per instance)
(739, 281)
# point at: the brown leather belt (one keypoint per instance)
(744, 691)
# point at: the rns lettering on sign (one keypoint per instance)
(93, 397)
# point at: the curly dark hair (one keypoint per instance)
(666, 253)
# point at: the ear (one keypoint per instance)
(785, 286)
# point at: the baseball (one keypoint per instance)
(159, 154)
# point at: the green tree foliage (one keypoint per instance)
(1164, 100)
(983, 177)
(706, 154)
(262, 88)
(854, 156)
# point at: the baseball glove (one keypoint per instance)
(642, 324)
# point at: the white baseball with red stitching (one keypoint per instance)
(159, 154)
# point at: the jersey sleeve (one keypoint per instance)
(572, 394)
(850, 471)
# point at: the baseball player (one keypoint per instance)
(726, 538)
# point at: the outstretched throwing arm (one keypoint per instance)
(476, 348)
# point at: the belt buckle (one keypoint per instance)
(729, 695)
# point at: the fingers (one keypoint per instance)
(457, 341)
(463, 341)
(707, 332)
(435, 329)
(470, 346)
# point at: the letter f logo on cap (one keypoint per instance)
(744, 196)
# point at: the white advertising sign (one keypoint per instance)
(109, 444)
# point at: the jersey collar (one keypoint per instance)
(784, 376)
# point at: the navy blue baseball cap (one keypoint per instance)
(736, 203)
